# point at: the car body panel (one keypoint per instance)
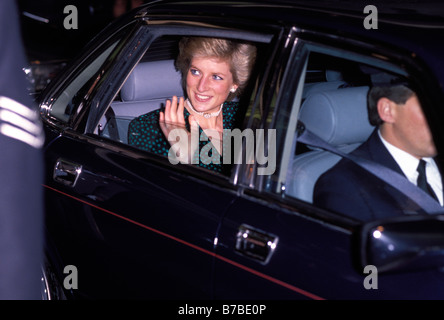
(137, 226)
(134, 233)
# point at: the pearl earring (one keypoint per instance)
(233, 90)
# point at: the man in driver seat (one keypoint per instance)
(401, 141)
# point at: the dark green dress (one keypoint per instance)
(144, 132)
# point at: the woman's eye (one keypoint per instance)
(194, 72)
(216, 77)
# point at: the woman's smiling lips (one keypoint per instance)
(202, 98)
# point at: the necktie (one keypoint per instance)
(422, 179)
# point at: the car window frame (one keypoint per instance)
(267, 99)
(155, 31)
(308, 47)
(74, 70)
(272, 188)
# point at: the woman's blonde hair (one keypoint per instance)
(240, 55)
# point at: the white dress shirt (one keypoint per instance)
(409, 164)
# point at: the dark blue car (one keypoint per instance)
(124, 223)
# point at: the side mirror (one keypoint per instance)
(405, 243)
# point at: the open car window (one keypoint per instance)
(333, 103)
(132, 117)
(152, 81)
(83, 77)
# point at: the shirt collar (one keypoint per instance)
(405, 160)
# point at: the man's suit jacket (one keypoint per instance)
(349, 189)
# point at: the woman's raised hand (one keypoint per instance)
(172, 124)
(173, 113)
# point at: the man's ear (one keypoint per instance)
(386, 110)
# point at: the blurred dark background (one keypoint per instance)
(49, 45)
(43, 31)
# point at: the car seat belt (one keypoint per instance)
(396, 180)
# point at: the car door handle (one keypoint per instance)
(66, 172)
(255, 244)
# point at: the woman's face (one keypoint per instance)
(209, 81)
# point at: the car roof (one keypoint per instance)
(415, 27)
(427, 14)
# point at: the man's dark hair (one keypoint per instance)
(398, 94)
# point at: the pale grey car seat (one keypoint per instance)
(334, 80)
(340, 118)
(146, 89)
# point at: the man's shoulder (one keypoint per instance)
(346, 171)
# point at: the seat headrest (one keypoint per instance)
(149, 80)
(338, 116)
(333, 75)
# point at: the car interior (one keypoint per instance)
(145, 90)
(334, 107)
(153, 80)
(328, 114)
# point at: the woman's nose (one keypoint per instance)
(203, 84)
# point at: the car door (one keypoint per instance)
(132, 229)
(275, 243)
(133, 224)
(265, 247)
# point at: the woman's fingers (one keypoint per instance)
(167, 112)
(180, 107)
(161, 116)
(194, 125)
(174, 110)
(162, 124)
(173, 118)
